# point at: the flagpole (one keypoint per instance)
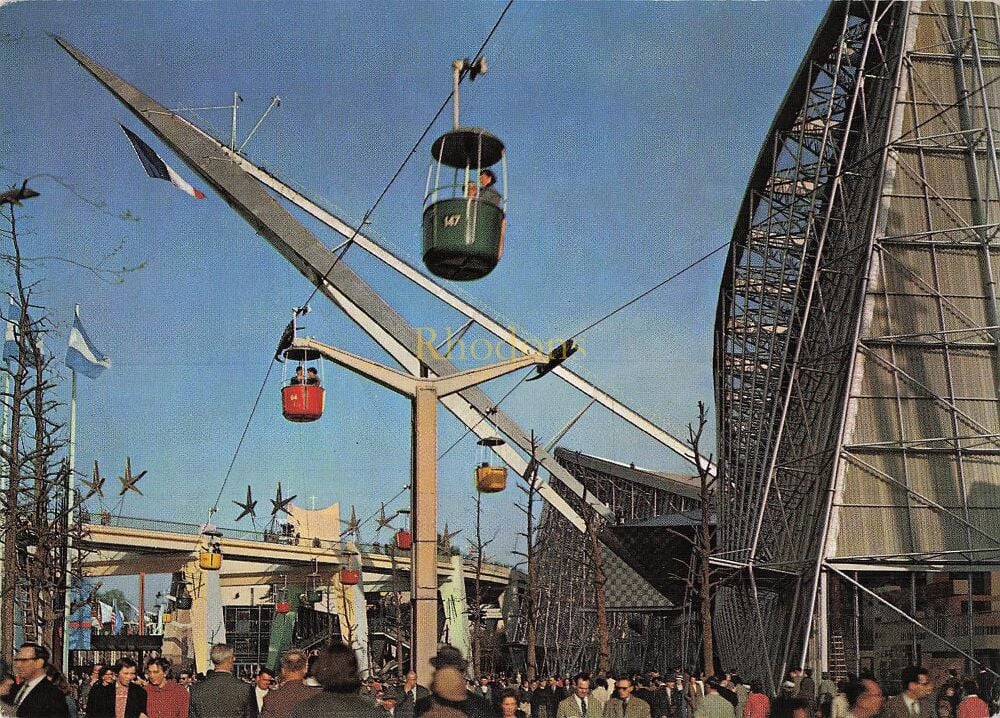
(3, 468)
(70, 508)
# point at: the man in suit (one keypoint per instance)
(916, 685)
(262, 686)
(864, 698)
(37, 697)
(221, 694)
(581, 704)
(412, 692)
(624, 704)
(714, 705)
(279, 703)
(473, 705)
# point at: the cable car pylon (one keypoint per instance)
(425, 394)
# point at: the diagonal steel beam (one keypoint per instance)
(507, 334)
(336, 280)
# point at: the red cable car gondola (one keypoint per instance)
(404, 540)
(350, 576)
(303, 399)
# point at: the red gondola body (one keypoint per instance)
(302, 402)
(350, 576)
(404, 540)
(283, 606)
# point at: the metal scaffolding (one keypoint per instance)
(647, 631)
(856, 355)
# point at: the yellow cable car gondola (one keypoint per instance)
(490, 479)
(210, 554)
(168, 617)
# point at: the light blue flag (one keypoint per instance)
(9, 336)
(117, 620)
(82, 355)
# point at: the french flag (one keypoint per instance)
(155, 166)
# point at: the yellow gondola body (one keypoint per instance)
(491, 479)
(210, 560)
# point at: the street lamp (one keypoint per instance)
(15, 194)
(424, 394)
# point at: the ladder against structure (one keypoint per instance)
(837, 658)
(29, 619)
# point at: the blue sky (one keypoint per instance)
(631, 130)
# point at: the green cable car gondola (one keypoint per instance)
(465, 216)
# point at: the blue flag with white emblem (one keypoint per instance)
(82, 355)
(9, 336)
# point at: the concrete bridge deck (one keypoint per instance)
(126, 546)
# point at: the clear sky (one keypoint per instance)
(631, 130)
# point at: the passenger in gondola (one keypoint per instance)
(487, 187)
(299, 377)
(312, 377)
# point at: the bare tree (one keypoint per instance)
(704, 541)
(477, 549)
(530, 535)
(695, 570)
(397, 600)
(600, 598)
(36, 506)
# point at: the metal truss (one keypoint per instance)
(856, 337)
(566, 624)
(228, 172)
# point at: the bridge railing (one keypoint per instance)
(179, 527)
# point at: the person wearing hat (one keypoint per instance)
(714, 705)
(391, 699)
(449, 677)
(448, 694)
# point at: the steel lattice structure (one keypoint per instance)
(566, 619)
(856, 352)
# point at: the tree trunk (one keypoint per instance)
(704, 550)
(600, 601)
(708, 642)
(531, 659)
(399, 613)
(477, 622)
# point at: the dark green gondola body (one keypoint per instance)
(463, 238)
(464, 222)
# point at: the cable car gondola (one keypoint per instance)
(313, 594)
(303, 398)
(282, 605)
(490, 479)
(404, 540)
(465, 217)
(210, 554)
(350, 576)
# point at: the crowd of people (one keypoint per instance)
(328, 683)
